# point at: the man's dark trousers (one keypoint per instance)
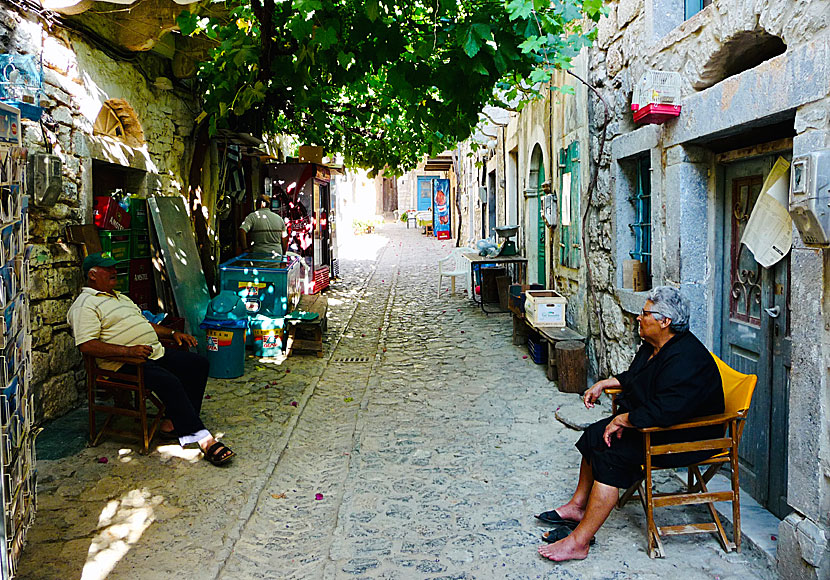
(179, 379)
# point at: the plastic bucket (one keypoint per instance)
(225, 349)
(267, 334)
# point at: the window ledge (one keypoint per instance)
(630, 301)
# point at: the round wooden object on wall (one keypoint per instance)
(572, 366)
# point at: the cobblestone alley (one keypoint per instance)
(420, 446)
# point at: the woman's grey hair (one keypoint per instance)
(668, 302)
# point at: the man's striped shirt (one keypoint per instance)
(113, 319)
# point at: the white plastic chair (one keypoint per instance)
(455, 265)
(423, 219)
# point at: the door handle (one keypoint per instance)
(773, 312)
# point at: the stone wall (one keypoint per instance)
(743, 65)
(78, 79)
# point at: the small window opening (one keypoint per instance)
(118, 120)
(742, 52)
(695, 6)
(641, 224)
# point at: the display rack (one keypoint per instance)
(17, 451)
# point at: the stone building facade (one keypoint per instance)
(755, 87)
(80, 79)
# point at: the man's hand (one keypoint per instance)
(180, 338)
(615, 428)
(139, 351)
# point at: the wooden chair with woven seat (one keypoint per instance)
(129, 399)
(737, 394)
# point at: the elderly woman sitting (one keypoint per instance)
(673, 378)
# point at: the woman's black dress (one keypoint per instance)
(681, 382)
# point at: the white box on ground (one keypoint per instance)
(545, 308)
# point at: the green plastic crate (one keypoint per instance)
(117, 243)
(138, 214)
(122, 270)
(140, 245)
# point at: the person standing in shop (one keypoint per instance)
(263, 231)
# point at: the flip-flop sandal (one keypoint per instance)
(219, 453)
(560, 533)
(553, 517)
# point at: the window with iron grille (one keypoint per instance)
(641, 224)
(695, 6)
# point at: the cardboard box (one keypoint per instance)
(545, 308)
(310, 154)
(634, 275)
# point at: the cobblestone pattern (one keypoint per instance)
(431, 459)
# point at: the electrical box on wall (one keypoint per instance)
(549, 206)
(45, 179)
(810, 197)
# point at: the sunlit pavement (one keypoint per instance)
(420, 446)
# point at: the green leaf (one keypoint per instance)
(372, 10)
(540, 76)
(480, 68)
(501, 61)
(519, 9)
(325, 37)
(474, 38)
(188, 22)
(300, 27)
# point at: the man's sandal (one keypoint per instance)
(218, 453)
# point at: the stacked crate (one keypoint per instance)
(142, 289)
(113, 224)
(18, 476)
(125, 235)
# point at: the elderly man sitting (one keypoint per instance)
(673, 378)
(107, 323)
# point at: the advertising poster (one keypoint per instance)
(441, 214)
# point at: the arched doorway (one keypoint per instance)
(534, 224)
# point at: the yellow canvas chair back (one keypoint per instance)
(737, 388)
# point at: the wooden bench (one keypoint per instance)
(307, 335)
(521, 326)
(572, 377)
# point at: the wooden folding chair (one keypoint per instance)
(129, 399)
(737, 395)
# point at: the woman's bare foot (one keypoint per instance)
(563, 550)
(166, 426)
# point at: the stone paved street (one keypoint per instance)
(430, 438)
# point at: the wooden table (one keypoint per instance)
(518, 263)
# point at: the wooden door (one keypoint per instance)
(755, 338)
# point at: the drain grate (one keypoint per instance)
(352, 359)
